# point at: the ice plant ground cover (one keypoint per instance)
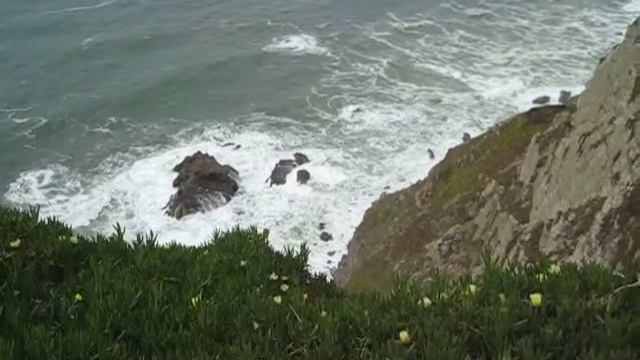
(70, 297)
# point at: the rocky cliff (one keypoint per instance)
(557, 181)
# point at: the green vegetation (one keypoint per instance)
(68, 297)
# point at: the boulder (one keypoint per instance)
(564, 97)
(300, 158)
(202, 184)
(303, 177)
(466, 137)
(431, 154)
(541, 100)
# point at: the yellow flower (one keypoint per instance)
(323, 314)
(554, 269)
(243, 263)
(73, 239)
(536, 299)
(273, 276)
(284, 287)
(541, 277)
(15, 244)
(277, 299)
(425, 301)
(472, 289)
(78, 297)
(195, 301)
(404, 337)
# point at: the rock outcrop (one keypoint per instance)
(284, 167)
(557, 181)
(203, 184)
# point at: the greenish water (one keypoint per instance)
(99, 99)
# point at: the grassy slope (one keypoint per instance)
(105, 298)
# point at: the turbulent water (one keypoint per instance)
(100, 99)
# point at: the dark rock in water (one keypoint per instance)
(431, 154)
(331, 253)
(466, 137)
(203, 184)
(284, 167)
(303, 176)
(322, 226)
(541, 100)
(325, 236)
(564, 97)
(300, 158)
(280, 172)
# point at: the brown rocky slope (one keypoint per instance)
(558, 181)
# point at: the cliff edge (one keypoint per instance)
(557, 181)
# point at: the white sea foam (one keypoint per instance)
(298, 44)
(83, 8)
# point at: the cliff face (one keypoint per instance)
(556, 181)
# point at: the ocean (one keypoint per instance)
(99, 99)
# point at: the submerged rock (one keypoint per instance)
(431, 154)
(466, 137)
(325, 236)
(202, 184)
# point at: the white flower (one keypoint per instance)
(323, 314)
(73, 239)
(273, 276)
(195, 301)
(256, 326)
(15, 244)
(425, 301)
(277, 299)
(404, 337)
(473, 289)
(284, 287)
(554, 269)
(243, 263)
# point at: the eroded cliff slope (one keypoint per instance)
(556, 181)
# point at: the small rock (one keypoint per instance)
(331, 253)
(564, 97)
(303, 176)
(431, 154)
(325, 236)
(466, 137)
(322, 226)
(387, 187)
(300, 158)
(541, 100)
